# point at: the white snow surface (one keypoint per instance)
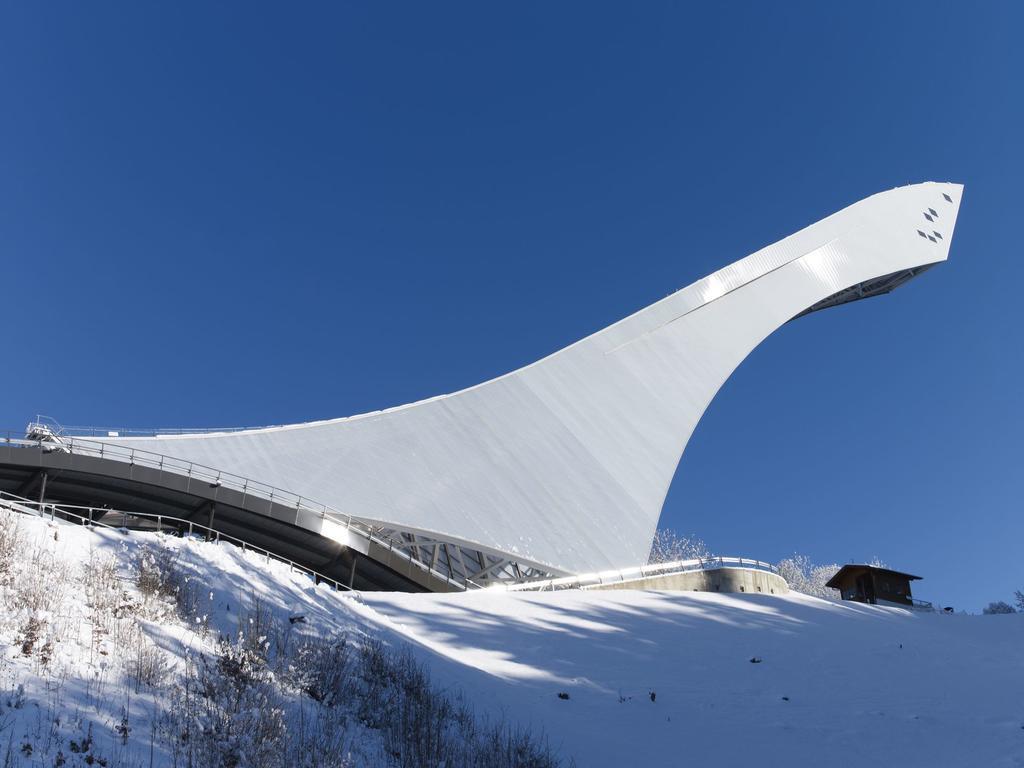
(866, 685)
(837, 684)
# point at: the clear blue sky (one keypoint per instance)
(235, 214)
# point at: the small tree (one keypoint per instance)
(668, 546)
(998, 607)
(802, 575)
(1020, 600)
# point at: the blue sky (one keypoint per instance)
(218, 215)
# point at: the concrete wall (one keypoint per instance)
(712, 580)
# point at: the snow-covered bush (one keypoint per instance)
(33, 586)
(244, 706)
(109, 648)
(803, 575)
(103, 590)
(1019, 597)
(319, 667)
(242, 712)
(233, 708)
(158, 580)
(668, 546)
(112, 608)
(11, 541)
(998, 607)
(147, 665)
(168, 590)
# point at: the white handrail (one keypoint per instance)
(27, 506)
(639, 572)
(150, 431)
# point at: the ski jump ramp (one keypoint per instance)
(562, 467)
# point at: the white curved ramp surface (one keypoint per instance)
(564, 464)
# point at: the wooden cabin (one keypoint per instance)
(868, 584)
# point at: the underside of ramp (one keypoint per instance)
(105, 484)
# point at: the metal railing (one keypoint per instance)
(65, 511)
(152, 431)
(216, 478)
(583, 581)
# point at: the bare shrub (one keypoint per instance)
(239, 707)
(157, 578)
(424, 727)
(326, 744)
(12, 540)
(193, 601)
(998, 607)
(417, 732)
(84, 750)
(147, 665)
(43, 585)
(38, 585)
(379, 679)
(320, 668)
(30, 634)
(168, 590)
(238, 664)
(257, 627)
(229, 712)
(500, 745)
(105, 595)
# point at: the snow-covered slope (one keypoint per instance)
(656, 678)
(837, 684)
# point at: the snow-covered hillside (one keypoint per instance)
(657, 678)
(835, 684)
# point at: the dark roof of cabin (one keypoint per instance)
(855, 569)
